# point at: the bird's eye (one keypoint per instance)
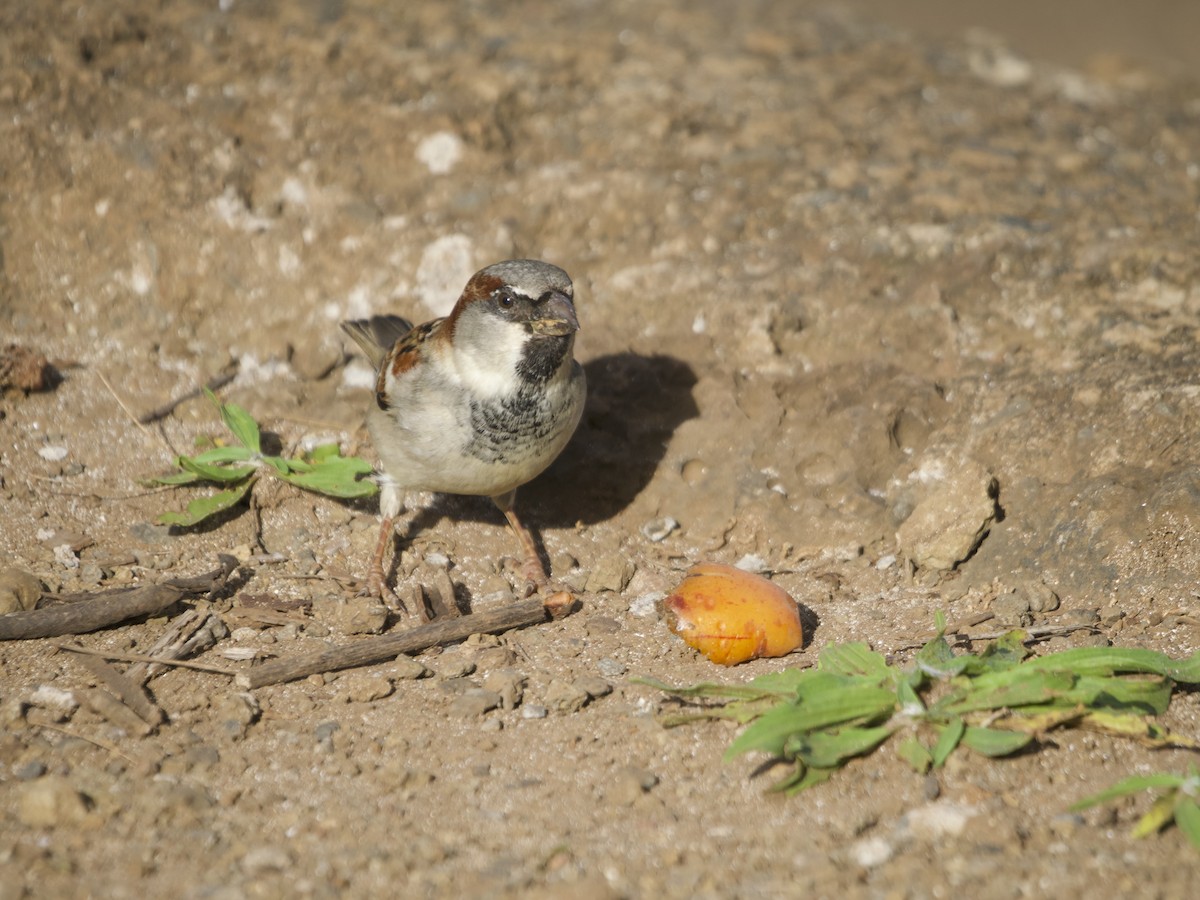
(505, 300)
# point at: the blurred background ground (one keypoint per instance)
(907, 321)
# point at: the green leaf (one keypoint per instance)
(1158, 817)
(856, 659)
(837, 703)
(322, 452)
(829, 749)
(949, 737)
(240, 422)
(994, 741)
(214, 473)
(1124, 788)
(910, 702)
(176, 478)
(1149, 697)
(1001, 690)
(1187, 817)
(802, 779)
(202, 507)
(1119, 660)
(913, 752)
(222, 455)
(335, 476)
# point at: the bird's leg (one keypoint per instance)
(390, 506)
(531, 566)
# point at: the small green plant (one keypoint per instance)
(237, 466)
(995, 703)
(1177, 805)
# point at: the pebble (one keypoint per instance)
(29, 771)
(646, 605)
(55, 699)
(1012, 608)
(509, 684)
(534, 711)
(19, 590)
(628, 784)
(593, 686)
(601, 625)
(495, 658)
(1040, 596)
(871, 852)
(611, 668)
(361, 618)
(564, 697)
(950, 522)
(454, 665)
(475, 702)
(49, 802)
(360, 687)
(261, 860)
(323, 734)
(405, 668)
(612, 572)
(657, 530)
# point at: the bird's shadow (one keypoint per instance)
(634, 405)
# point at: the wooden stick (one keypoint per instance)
(94, 611)
(389, 646)
(105, 609)
(129, 691)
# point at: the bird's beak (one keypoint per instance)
(555, 316)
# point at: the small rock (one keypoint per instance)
(19, 590)
(752, 563)
(939, 819)
(405, 668)
(948, 524)
(611, 573)
(534, 711)
(363, 688)
(647, 604)
(454, 665)
(150, 533)
(29, 771)
(49, 802)
(611, 668)
(601, 625)
(628, 784)
(657, 530)
(475, 702)
(237, 711)
(495, 658)
(871, 852)
(324, 733)
(509, 684)
(1012, 608)
(362, 618)
(262, 860)
(564, 697)
(49, 697)
(593, 686)
(1040, 596)
(53, 453)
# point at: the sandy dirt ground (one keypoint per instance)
(835, 284)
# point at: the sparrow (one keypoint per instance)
(479, 402)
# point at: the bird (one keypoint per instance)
(477, 403)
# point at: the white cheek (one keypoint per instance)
(488, 364)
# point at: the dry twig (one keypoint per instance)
(93, 611)
(389, 646)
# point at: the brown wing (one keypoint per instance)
(377, 335)
(402, 356)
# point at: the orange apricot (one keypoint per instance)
(731, 616)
